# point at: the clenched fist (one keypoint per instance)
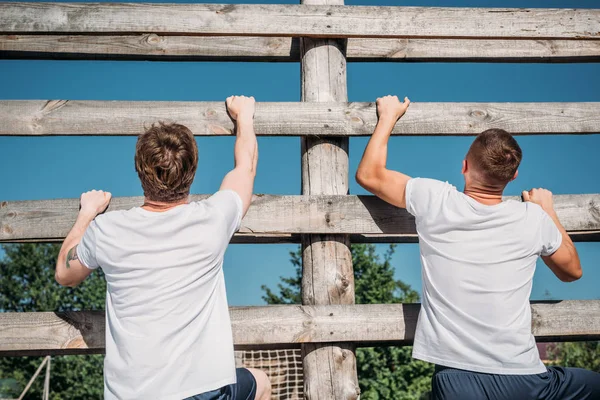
(541, 197)
(240, 107)
(94, 202)
(390, 107)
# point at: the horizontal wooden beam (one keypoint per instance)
(74, 117)
(45, 333)
(278, 218)
(285, 49)
(298, 20)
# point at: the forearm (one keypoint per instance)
(246, 146)
(72, 239)
(565, 261)
(566, 239)
(375, 156)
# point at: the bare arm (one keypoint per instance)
(241, 178)
(372, 173)
(564, 262)
(69, 269)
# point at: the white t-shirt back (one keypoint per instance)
(477, 269)
(168, 333)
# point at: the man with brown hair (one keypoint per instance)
(478, 255)
(168, 333)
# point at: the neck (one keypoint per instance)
(158, 206)
(484, 194)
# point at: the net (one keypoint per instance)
(284, 368)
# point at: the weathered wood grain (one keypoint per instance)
(277, 218)
(75, 117)
(44, 333)
(298, 20)
(327, 274)
(285, 49)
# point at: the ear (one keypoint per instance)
(464, 167)
(516, 174)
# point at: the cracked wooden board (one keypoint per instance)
(336, 21)
(150, 46)
(82, 332)
(275, 218)
(77, 117)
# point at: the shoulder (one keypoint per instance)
(223, 200)
(429, 184)
(111, 218)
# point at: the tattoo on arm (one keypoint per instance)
(72, 256)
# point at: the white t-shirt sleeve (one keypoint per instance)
(86, 249)
(550, 235)
(423, 194)
(229, 204)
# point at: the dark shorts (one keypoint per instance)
(556, 383)
(244, 389)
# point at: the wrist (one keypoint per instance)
(388, 118)
(87, 215)
(245, 119)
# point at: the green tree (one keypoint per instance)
(27, 282)
(383, 372)
(576, 354)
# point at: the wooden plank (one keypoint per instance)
(285, 49)
(49, 333)
(296, 238)
(298, 20)
(75, 117)
(275, 218)
(327, 274)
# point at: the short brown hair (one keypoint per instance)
(166, 157)
(496, 155)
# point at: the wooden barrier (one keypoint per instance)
(82, 332)
(327, 328)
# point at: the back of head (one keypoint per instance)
(166, 158)
(494, 157)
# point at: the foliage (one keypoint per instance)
(576, 354)
(27, 282)
(384, 372)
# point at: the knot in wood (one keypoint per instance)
(345, 354)
(7, 229)
(210, 113)
(3, 204)
(153, 38)
(345, 282)
(479, 114)
(226, 9)
(275, 43)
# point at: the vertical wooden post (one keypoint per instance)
(46, 392)
(327, 275)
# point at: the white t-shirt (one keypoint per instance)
(168, 333)
(477, 269)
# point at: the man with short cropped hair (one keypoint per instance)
(478, 256)
(168, 333)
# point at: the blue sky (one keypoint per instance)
(58, 167)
